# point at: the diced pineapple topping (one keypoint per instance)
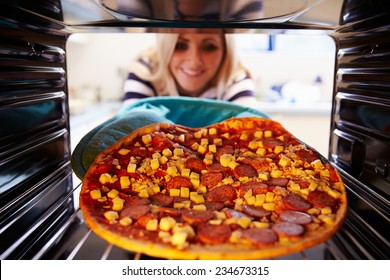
(95, 194)
(258, 134)
(182, 138)
(215, 222)
(178, 152)
(226, 159)
(253, 144)
(333, 193)
(123, 152)
(268, 133)
(154, 163)
(284, 161)
(125, 182)
(269, 197)
(208, 159)
(261, 151)
(199, 207)
(326, 210)
(195, 146)
(244, 136)
(278, 149)
(167, 223)
(195, 182)
(143, 193)
(179, 238)
(212, 148)
(184, 192)
(316, 164)
(198, 134)
(218, 141)
(131, 168)
(197, 198)
(264, 176)
(152, 225)
(185, 172)
(174, 192)
(147, 138)
(111, 216)
(269, 206)
(125, 221)
(172, 170)
(202, 149)
(107, 178)
(163, 160)
(213, 131)
(257, 224)
(167, 152)
(260, 199)
(276, 173)
(235, 237)
(327, 218)
(244, 222)
(117, 204)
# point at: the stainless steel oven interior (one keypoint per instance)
(38, 216)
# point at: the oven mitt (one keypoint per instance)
(187, 111)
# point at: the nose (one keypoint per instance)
(194, 57)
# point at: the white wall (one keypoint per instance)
(100, 61)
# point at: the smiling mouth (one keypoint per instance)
(191, 73)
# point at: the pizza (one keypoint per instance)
(243, 188)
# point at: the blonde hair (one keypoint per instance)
(159, 57)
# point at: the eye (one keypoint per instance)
(209, 47)
(181, 46)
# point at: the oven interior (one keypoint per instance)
(38, 216)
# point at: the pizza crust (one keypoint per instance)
(243, 250)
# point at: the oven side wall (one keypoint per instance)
(35, 173)
(360, 127)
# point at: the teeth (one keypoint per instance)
(191, 72)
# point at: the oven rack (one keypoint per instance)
(74, 240)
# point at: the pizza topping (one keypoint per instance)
(288, 229)
(135, 212)
(213, 234)
(197, 217)
(295, 217)
(257, 212)
(222, 194)
(240, 182)
(321, 199)
(297, 203)
(260, 236)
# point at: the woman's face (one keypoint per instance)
(196, 61)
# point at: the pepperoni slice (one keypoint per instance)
(222, 194)
(231, 213)
(195, 164)
(213, 234)
(282, 182)
(255, 211)
(197, 217)
(211, 179)
(295, 217)
(272, 143)
(135, 211)
(168, 211)
(307, 155)
(244, 170)
(288, 229)
(134, 200)
(260, 236)
(214, 206)
(179, 181)
(256, 187)
(259, 164)
(295, 202)
(163, 200)
(321, 199)
(217, 167)
(223, 150)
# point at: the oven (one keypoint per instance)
(39, 218)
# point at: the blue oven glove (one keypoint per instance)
(187, 111)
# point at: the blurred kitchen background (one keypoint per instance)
(293, 72)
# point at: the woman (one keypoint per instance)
(202, 64)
